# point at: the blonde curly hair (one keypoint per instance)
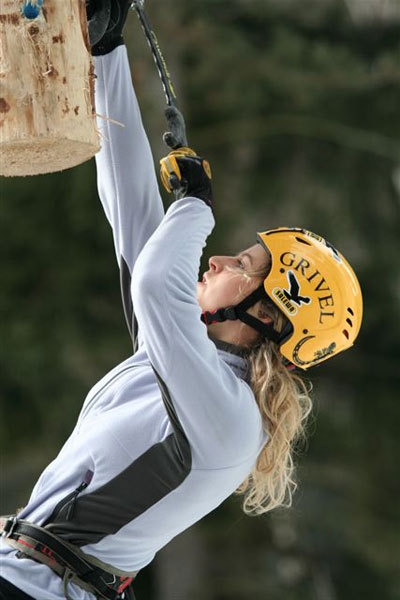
(283, 398)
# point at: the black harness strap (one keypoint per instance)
(39, 544)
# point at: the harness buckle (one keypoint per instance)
(9, 526)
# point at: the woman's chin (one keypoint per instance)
(200, 290)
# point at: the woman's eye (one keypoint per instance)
(240, 263)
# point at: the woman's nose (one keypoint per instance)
(217, 263)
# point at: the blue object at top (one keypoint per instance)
(30, 9)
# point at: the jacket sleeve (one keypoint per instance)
(216, 409)
(126, 178)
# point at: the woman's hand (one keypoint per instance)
(187, 174)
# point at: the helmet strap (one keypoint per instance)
(238, 312)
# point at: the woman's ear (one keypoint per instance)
(261, 312)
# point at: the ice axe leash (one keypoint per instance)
(175, 138)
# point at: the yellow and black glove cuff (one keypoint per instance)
(187, 174)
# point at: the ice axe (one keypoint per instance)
(176, 136)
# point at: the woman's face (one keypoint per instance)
(225, 283)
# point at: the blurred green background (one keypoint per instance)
(296, 105)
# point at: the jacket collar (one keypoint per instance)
(235, 357)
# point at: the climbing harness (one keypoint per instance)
(68, 561)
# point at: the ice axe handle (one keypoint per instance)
(175, 137)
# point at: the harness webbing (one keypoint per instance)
(71, 564)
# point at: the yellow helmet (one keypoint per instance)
(317, 290)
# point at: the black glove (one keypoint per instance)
(187, 174)
(106, 20)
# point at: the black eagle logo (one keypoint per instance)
(293, 293)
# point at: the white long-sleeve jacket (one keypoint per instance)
(171, 432)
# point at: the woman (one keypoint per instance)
(207, 404)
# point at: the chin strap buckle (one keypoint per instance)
(220, 315)
(230, 313)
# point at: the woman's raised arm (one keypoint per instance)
(126, 177)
